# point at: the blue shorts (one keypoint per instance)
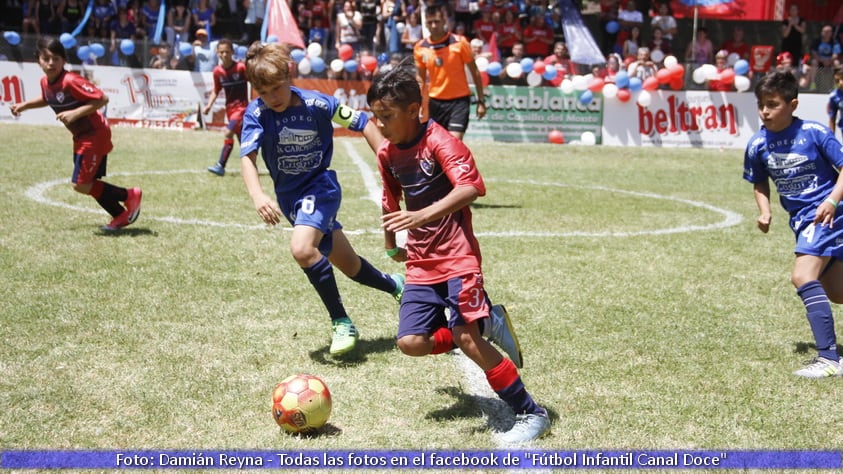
(316, 206)
(423, 306)
(821, 240)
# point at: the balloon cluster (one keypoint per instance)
(535, 70)
(736, 75)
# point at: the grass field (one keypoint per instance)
(652, 313)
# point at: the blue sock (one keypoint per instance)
(372, 277)
(820, 318)
(321, 276)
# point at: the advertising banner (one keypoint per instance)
(527, 114)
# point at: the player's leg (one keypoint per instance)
(469, 305)
(805, 277)
(88, 169)
(360, 270)
(304, 247)
(227, 146)
(832, 280)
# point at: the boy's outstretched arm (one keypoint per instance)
(267, 207)
(35, 103)
(373, 136)
(458, 198)
(762, 199)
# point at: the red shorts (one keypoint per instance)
(88, 167)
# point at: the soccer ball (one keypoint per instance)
(301, 403)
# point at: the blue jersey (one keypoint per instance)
(298, 143)
(834, 106)
(803, 161)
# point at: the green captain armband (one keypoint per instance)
(832, 202)
(344, 116)
(392, 252)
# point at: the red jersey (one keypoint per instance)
(425, 173)
(537, 40)
(484, 29)
(233, 81)
(68, 92)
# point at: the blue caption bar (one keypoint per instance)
(350, 459)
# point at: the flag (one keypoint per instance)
(492, 48)
(581, 44)
(279, 22)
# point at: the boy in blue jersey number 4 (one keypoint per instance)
(835, 104)
(803, 159)
(436, 175)
(293, 129)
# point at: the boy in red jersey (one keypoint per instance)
(229, 75)
(76, 103)
(437, 177)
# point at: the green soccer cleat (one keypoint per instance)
(527, 427)
(501, 333)
(820, 367)
(344, 338)
(399, 286)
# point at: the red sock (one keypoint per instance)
(443, 341)
(502, 375)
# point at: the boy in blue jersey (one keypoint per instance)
(835, 104)
(293, 129)
(445, 304)
(803, 159)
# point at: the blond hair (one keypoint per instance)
(268, 64)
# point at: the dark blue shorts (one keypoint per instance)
(423, 307)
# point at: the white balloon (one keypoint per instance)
(710, 71)
(314, 50)
(304, 66)
(567, 86)
(699, 75)
(482, 63)
(588, 138)
(399, 27)
(657, 55)
(514, 70)
(670, 61)
(580, 83)
(337, 65)
(610, 91)
(741, 83)
(534, 79)
(644, 98)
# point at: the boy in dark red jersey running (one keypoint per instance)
(229, 75)
(76, 103)
(437, 176)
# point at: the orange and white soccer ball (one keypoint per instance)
(301, 403)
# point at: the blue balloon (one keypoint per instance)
(586, 97)
(383, 58)
(622, 79)
(613, 27)
(185, 48)
(297, 54)
(98, 50)
(549, 73)
(526, 65)
(84, 53)
(127, 47)
(635, 84)
(350, 66)
(12, 37)
(494, 69)
(241, 52)
(741, 66)
(317, 64)
(271, 39)
(67, 40)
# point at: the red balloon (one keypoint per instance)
(677, 83)
(624, 95)
(727, 76)
(346, 52)
(555, 136)
(663, 76)
(650, 84)
(539, 66)
(596, 84)
(677, 70)
(369, 63)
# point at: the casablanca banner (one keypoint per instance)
(527, 114)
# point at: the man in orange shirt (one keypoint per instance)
(441, 59)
